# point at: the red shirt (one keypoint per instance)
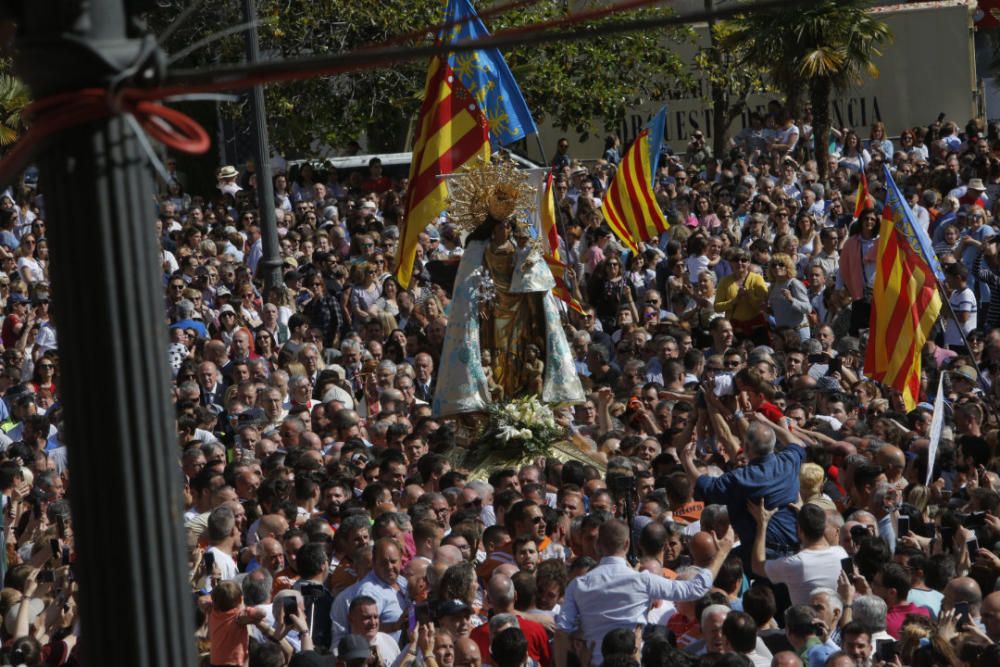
(894, 619)
(538, 641)
(10, 331)
(771, 411)
(377, 185)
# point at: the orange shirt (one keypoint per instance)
(230, 640)
(689, 512)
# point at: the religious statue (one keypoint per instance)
(534, 370)
(503, 314)
(496, 391)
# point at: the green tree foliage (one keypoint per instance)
(14, 98)
(816, 48)
(586, 86)
(731, 79)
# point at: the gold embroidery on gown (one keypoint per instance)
(510, 322)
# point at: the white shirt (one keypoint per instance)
(695, 266)
(962, 301)
(224, 565)
(807, 570)
(387, 647)
(613, 595)
(46, 338)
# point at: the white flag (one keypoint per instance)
(937, 422)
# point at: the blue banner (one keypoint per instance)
(487, 77)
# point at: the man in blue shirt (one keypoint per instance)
(387, 588)
(773, 477)
(613, 595)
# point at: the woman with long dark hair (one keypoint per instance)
(857, 267)
(609, 291)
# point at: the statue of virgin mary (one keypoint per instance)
(504, 335)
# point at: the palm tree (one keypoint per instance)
(822, 47)
(13, 99)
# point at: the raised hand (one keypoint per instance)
(759, 512)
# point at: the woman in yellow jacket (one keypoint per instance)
(742, 298)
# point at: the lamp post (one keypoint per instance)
(135, 605)
(270, 262)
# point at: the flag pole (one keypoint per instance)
(541, 149)
(560, 226)
(965, 340)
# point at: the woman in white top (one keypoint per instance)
(807, 234)
(855, 157)
(31, 269)
(387, 302)
(282, 197)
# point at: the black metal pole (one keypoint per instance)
(135, 605)
(270, 263)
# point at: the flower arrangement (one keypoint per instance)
(525, 424)
(513, 433)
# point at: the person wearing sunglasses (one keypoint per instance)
(788, 297)
(741, 297)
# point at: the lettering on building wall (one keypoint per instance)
(855, 112)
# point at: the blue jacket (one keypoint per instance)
(775, 478)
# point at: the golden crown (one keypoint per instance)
(496, 189)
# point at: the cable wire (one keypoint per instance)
(239, 76)
(176, 130)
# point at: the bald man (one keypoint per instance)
(312, 442)
(840, 659)
(467, 653)
(270, 556)
(500, 595)
(507, 569)
(445, 556)
(269, 525)
(786, 659)
(416, 579)
(893, 462)
(991, 615)
(964, 589)
(702, 548)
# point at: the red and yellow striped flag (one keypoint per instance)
(629, 205)
(905, 299)
(552, 258)
(452, 132)
(861, 197)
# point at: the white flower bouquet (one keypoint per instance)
(522, 426)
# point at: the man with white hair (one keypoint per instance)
(773, 478)
(485, 493)
(871, 612)
(829, 608)
(712, 619)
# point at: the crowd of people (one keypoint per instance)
(747, 496)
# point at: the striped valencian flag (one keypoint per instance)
(861, 198)
(552, 257)
(629, 205)
(468, 98)
(452, 133)
(905, 300)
